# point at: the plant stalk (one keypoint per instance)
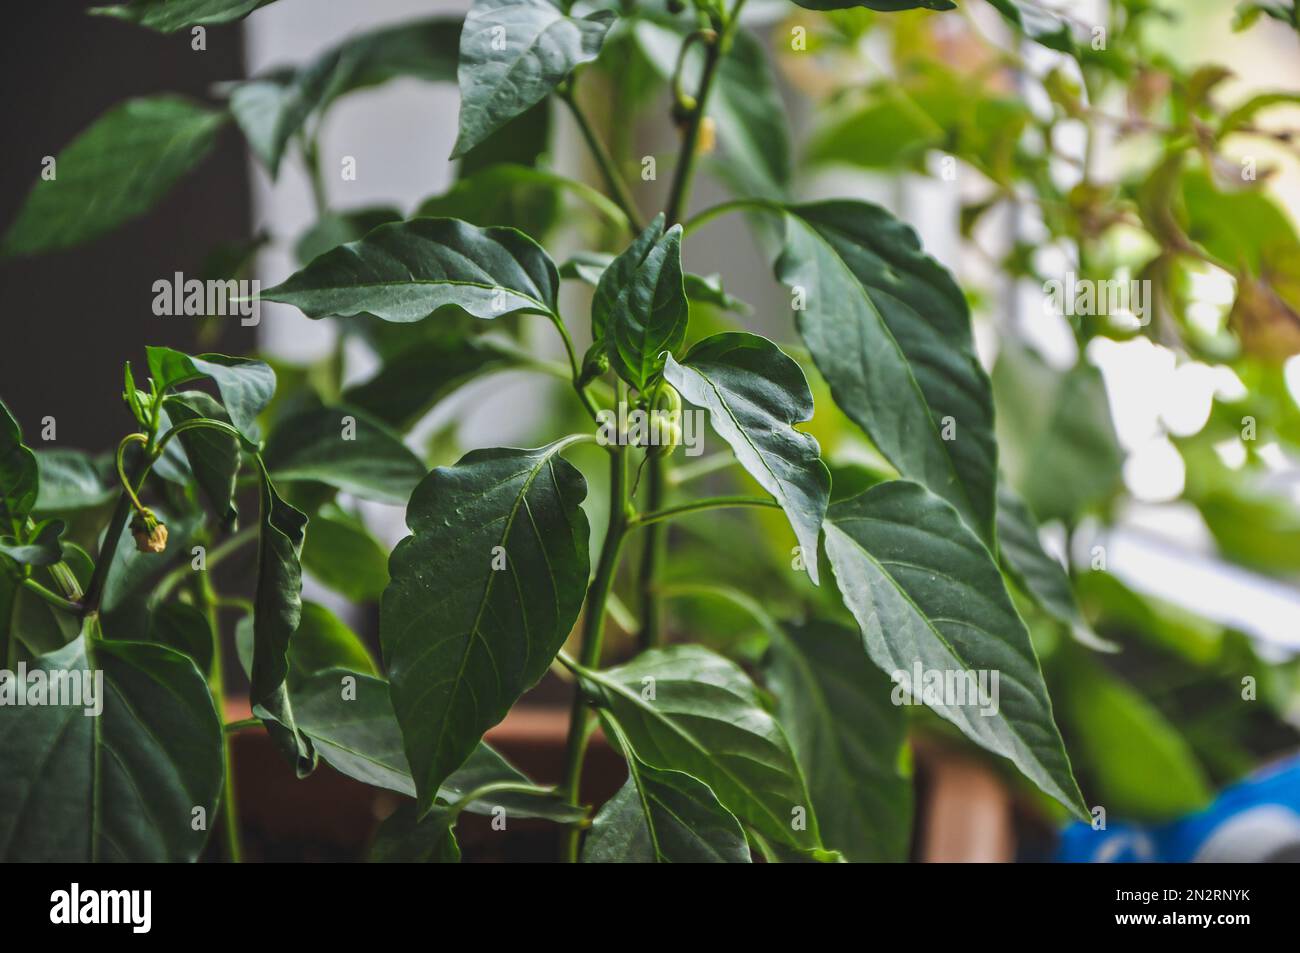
(580, 721)
(609, 171)
(206, 599)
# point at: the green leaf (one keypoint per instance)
(277, 611)
(885, 6)
(1038, 574)
(70, 480)
(113, 172)
(407, 838)
(483, 594)
(588, 266)
(184, 628)
(246, 386)
(926, 592)
(513, 53)
(405, 271)
(517, 196)
(168, 16)
(755, 394)
(1040, 24)
(353, 727)
(640, 307)
(1138, 764)
(687, 709)
(123, 786)
(272, 109)
(1058, 444)
(324, 641)
(39, 548)
(664, 817)
(411, 382)
(338, 228)
(890, 331)
(213, 456)
(345, 449)
(19, 474)
(342, 555)
(850, 740)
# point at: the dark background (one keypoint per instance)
(71, 318)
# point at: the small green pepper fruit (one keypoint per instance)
(594, 363)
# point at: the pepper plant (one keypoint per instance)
(790, 744)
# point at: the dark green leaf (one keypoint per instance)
(246, 386)
(345, 449)
(1037, 573)
(513, 53)
(687, 709)
(640, 307)
(338, 228)
(39, 548)
(277, 611)
(341, 555)
(755, 394)
(925, 592)
(411, 382)
(168, 16)
(123, 786)
(664, 817)
(483, 594)
(588, 266)
(184, 628)
(405, 271)
(1057, 441)
(324, 641)
(851, 741)
(1038, 23)
(890, 332)
(113, 172)
(406, 838)
(70, 480)
(213, 456)
(19, 475)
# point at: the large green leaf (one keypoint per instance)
(184, 628)
(1037, 573)
(342, 555)
(1038, 23)
(113, 172)
(272, 109)
(40, 547)
(851, 741)
(890, 331)
(246, 385)
(640, 308)
(213, 456)
(168, 16)
(755, 394)
(513, 53)
(277, 611)
(70, 480)
(687, 709)
(483, 594)
(926, 592)
(588, 266)
(663, 817)
(412, 381)
(406, 271)
(127, 785)
(19, 475)
(1055, 434)
(346, 449)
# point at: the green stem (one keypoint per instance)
(52, 598)
(206, 599)
(575, 368)
(617, 187)
(652, 547)
(232, 726)
(734, 205)
(580, 722)
(695, 506)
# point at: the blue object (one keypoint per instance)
(1254, 820)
